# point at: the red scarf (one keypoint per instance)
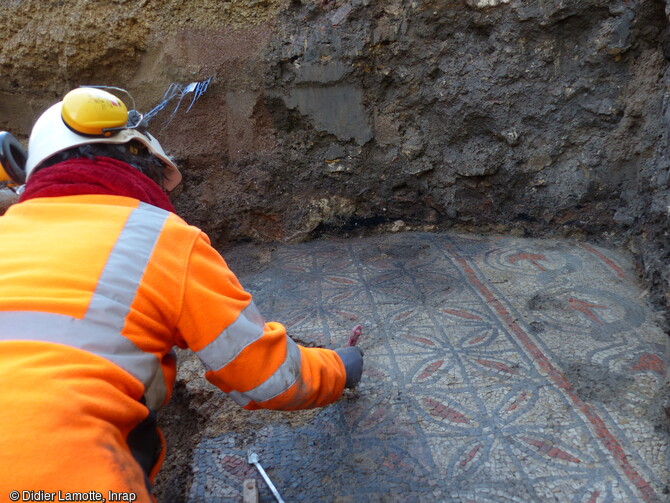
(101, 175)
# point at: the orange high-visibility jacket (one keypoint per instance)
(94, 293)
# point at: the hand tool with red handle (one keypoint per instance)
(355, 334)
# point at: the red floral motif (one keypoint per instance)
(344, 281)
(470, 456)
(430, 370)
(421, 340)
(548, 449)
(586, 308)
(440, 410)
(523, 396)
(533, 258)
(650, 362)
(462, 314)
(499, 366)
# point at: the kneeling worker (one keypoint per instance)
(99, 280)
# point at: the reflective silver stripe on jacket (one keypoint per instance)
(285, 376)
(246, 329)
(99, 331)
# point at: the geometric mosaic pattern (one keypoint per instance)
(496, 369)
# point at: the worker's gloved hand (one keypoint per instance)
(352, 357)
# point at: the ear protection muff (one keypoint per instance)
(12, 159)
(91, 111)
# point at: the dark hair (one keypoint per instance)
(134, 153)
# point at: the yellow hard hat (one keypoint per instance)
(91, 115)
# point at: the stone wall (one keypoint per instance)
(536, 117)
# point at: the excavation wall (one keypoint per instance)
(533, 117)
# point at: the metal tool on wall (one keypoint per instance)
(197, 89)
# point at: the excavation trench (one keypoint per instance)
(352, 119)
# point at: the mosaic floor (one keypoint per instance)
(497, 370)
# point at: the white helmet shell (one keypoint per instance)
(50, 136)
